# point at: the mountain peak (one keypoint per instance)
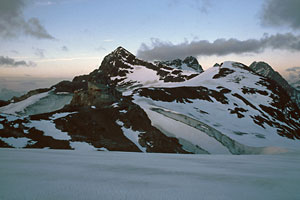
(189, 63)
(192, 62)
(116, 59)
(262, 68)
(265, 70)
(121, 52)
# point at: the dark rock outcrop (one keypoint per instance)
(267, 71)
(189, 62)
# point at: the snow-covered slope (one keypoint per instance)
(233, 100)
(51, 174)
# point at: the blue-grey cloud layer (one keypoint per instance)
(293, 69)
(13, 23)
(10, 62)
(39, 52)
(160, 50)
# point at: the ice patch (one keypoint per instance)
(16, 108)
(16, 142)
(120, 123)
(102, 149)
(10, 118)
(115, 105)
(123, 111)
(134, 137)
(62, 92)
(49, 129)
(82, 146)
(60, 115)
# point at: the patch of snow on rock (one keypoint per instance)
(134, 137)
(16, 142)
(82, 146)
(49, 129)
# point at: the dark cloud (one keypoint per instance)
(39, 52)
(160, 50)
(281, 13)
(10, 62)
(64, 48)
(13, 23)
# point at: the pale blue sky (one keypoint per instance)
(90, 29)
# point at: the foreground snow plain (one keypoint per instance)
(63, 174)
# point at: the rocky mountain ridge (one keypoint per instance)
(190, 63)
(267, 71)
(128, 104)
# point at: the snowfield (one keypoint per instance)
(61, 174)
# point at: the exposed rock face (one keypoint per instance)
(97, 94)
(3, 103)
(78, 83)
(267, 71)
(189, 63)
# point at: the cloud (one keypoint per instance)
(281, 13)
(108, 40)
(44, 3)
(160, 50)
(100, 48)
(13, 23)
(201, 5)
(293, 69)
(293, 74)
(10, 62)
(64, 48)
(39, 52)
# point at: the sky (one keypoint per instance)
(65, 38)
